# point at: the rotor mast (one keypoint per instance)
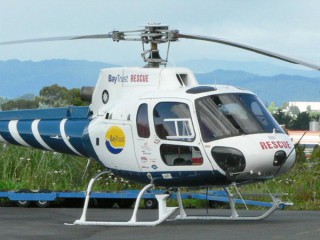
(153, 34)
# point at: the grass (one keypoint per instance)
(301, 183)
(24, 168)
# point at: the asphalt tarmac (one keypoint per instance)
(36, 223)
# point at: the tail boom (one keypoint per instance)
(59, 129)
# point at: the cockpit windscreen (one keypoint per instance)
(233, 114)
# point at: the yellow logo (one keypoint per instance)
(115, 139)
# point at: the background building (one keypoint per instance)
(309, 140)
(306, 106)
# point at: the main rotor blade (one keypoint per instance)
(96, 36)
(249, 48)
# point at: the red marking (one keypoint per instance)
(275, 144)
(139, 78)
(263, 145)
(269, 144)
(197, 161)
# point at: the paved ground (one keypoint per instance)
(35, 223)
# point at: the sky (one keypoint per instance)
(290, 27)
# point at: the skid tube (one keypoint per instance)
(165, 212)
(275, 205)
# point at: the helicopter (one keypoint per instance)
(157, 126)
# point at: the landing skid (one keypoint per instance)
(165, 212)
(276, 204)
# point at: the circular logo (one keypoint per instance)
(115, 140)
(105, 96)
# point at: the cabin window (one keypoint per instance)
(173, 121)
(143, 121)
(176, 155)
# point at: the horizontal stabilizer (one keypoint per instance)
(53, 113)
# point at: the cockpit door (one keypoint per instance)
(176, 137)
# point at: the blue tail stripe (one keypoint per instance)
(88, 146)
(25, 131)
(74, 129)
(50, 133)
(5, 133)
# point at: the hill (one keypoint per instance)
(259, 68)
(279, 88)
(21, 77)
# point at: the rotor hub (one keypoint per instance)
(153, 34)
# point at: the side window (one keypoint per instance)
(173, 121)
(143, 121)
(176, 155)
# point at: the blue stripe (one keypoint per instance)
(4, 131)
(49, 129)
(25, 131)
(179, 178)
(74, 129)
(90, 152)
(113, 149)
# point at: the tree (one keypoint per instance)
(272, 107)
(309, 109)
(3, 100)
(54, 96)
(50, 96)
(20, 104)
(294, 110)
(28, 96)
(314, 115)
(285, 105)
(283, 118)
(316, 153)
(75, 98)
(58, 96)
(302, 122)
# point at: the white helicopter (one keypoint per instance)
(157, 126)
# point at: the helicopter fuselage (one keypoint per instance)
(159, 125)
